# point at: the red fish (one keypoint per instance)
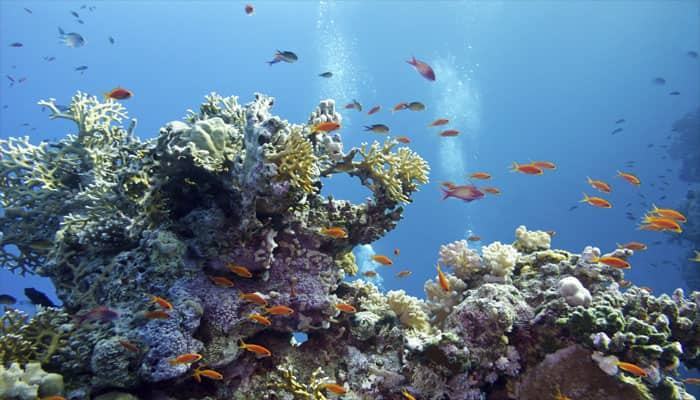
(422, 68)
(438, 122)
(99, 313)
(129, 346)
(449, 132)
(528, 169)
(355, 104)
(400, 106)
(403, 139)
(118, 94)
(466, 193)
(249, 10)
(374, 110)
(474, 238)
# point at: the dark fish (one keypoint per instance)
(669, 170)
(650, 145)
(631, 218)
(83, 7)
(71, 39)
(660, 176)
(27, 10)
(659, 81)
(16, 44)
(619, 121)
(326, 75)
(22, 79)
(92, 8)
(675, 93)
(38, 298)
(7, 299)
(692, 54)
(618, 130)
(25, 124)
(111, 40)
(572, 208)
(10, 78)
(658, 242)
(49, 59)
(286, 56)
(628, 204)
(81, 68)
(662, 197)
(80, 21)
(5, 107)
(75, 14)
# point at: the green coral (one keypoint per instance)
(290, 383)
(37, 339)
(397, 174)
(296, 162)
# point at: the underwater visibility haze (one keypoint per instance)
(448, 200)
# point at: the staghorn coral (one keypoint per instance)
(288, 382)
(296, 162)
(36, 339)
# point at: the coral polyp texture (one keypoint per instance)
(222, 216)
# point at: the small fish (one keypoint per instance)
(403, 274)
(10, 78)
(7, 299)
(449, 133)
(572, 208)
(448, 184)
(221, 281)
(647, 289)
(49, 59)
(130, 346)
(118, 94)
(619, 121)
(38, 298)
(416, 106)
(83, 7)
(624, 284)
(334, 387)
(600, 185)
(397, 251)
(407, 395)
(439, 122)
(286, 56)
(292, 288)
(259, 319)
(75, 14)
(632, 368)
(474, 238)
(209, 373)
(444, 283)
(697, 256)
(326, 75)
(377, 128)
(254, 297)
(650, 145)
(527, 169)
(691, 381)
(16, 44)
(335, 232)
(614, 262)
(369, 274)
(111, 40)
(384, 260)
(629, 178)
(159, 315)
(21, 80)
(617, 130)
(596, 201)
(480, 175)
(399, 107)
(403, 139)
(161, 302)
(424, 69)
(80, 21)
(491, 190)
(249, 10)
(659, 81)
(188, 358)
(81, 68)
(551, 233)
(98, 314)
(278, 310)
(374, 110)
(239, 270)
(27, 10)
(355, 104)
(544, 164)
(326, 127)
(52, 398)
(467, 193)
(254, 348)
(345, 308)
(674, 93)
(636, 246)
(71, 39)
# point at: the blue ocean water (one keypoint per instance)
(522, 81)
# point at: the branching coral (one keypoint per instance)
(290, 383)
(36, 339)
(296, 162)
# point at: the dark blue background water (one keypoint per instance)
(521, 80)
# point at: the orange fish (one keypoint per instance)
(559, 396)
(239, 270)
(407, 395)
(370, 274)
(259, 318)
(629, 178)
(614, 262)
(129, 346)
(691, 381)
(188, 358)
(474, 238)
(491, 190)
(397, 252)
(624, 284)
(480, 175)
(403, 139)
(52, 398)
(544, 164)
(665, 224)
(399, 107)
(254, 348)
(345, 308)
(647, 289)
(636, 246)
(374, 110)
(596, 201)
(334, 387)
(254, 297)
(438, 122)
(444, 283)
(326, 127)
(157, 315)
(650, 227)
(118, 94)
(335, 232)
(669, 213)
(209, 373)
(221, 281)
(161, 302)
(449, 133)
(632, 368)
(448, 184)
(293, 288)
(551, 233)
(528, 169)
(600, 185)
(403, 274)
(278, 310)
(355, 104)
(384, 260)
(424, 69)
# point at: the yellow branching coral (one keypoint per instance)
(23, 339)
(399, 173)
(347, 262)
(296, 161)
(217, 105)
(288, 382)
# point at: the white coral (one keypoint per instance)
(439, 302)
(529, 241)
(463, 260)
(410, 310)
(499, 258)
(573, 292)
